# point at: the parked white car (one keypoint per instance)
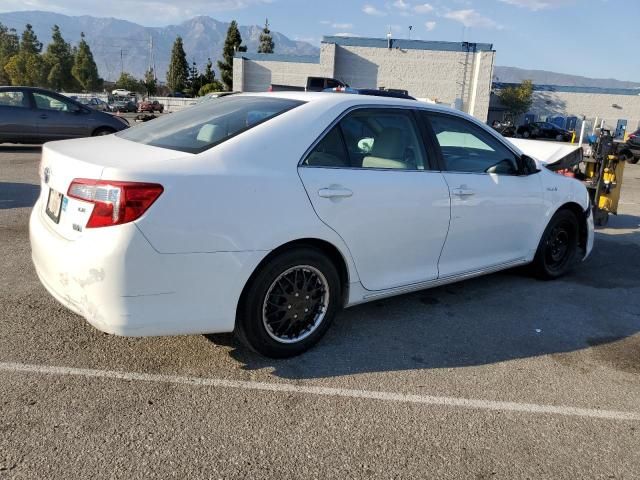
(265, 214)
(120, 92)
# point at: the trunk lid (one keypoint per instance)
(64, 161)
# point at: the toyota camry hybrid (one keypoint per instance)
(266, 213)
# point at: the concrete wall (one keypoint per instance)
(460, 79)
(589, 105)
(257, 75)
(442, 76)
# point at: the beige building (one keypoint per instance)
(618, 108)
(453, 73)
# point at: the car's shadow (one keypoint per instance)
(18, 195)
(492, 319)
(17, 148)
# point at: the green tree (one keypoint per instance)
(129, 82)
(84, 69)
(209, 75)
(150, 83)
(58, 61)
(232, 44)
(266, 39)
(9, 46)
(214, 86)
(518, 99)
(27, 67)
(178, 74)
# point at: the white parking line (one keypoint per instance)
(324, 391)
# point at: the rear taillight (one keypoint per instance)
(114, 203)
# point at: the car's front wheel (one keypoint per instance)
(290, 303)
(558, 246)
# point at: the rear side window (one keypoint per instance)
(13, 98)
(371, 138)
(207, 124)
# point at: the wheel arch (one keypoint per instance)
(579, 212)
(327, 248)
(103, 128)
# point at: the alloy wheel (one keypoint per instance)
(295, 304)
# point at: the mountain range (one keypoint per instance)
(120, 44)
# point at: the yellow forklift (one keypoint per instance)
(603, 174)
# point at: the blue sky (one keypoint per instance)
(593, 38)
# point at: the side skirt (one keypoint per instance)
(358, 294)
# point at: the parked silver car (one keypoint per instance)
(36, 115)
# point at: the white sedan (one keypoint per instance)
(265, 214)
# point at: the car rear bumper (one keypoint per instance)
(115, 280)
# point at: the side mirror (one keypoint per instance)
(529, 166)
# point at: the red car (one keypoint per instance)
(149, 106)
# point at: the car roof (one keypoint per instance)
(334, 99)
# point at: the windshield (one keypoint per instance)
(207, 124)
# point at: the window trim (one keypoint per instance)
(440, 157)
(430, 166)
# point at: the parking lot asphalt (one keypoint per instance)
(497, 377)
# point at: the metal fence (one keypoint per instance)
(171, 104)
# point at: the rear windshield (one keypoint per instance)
(202, 126)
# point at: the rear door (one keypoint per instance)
(58, 117)
(17, 118)
(369, 178)
(496, 214)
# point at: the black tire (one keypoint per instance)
(526, 134)
(558, 246)
(103, 131)
(263, 324)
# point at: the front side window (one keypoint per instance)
(47, 102)
(13, 98)
(207, 124)
(466, 148)
(371, 138)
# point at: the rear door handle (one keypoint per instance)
(43, 116)
(334, 193)
(463, 192)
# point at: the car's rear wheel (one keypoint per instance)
(526, 134)
(103, 131)
(558, 246)
(289, 304)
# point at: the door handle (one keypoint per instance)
(43, 116)
(463, 191)
(334, 192)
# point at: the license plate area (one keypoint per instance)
(54, 205)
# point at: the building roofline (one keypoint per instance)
(277, 57)
(405, 44)
(573, 89)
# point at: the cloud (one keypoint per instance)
(401, 5)
(538, 4)
(423, 8)
(371, 10)
(430, 25)
(345, 34)
(342, 26)
(146, 12)
(471, 18)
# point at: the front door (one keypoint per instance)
(59, 118)
(495, 213)
(369, 179)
